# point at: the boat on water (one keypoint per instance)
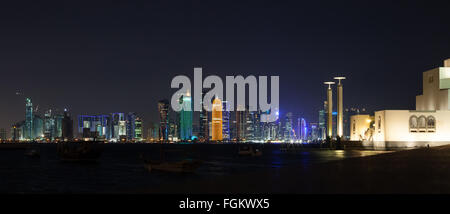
(34, 153)
(248, 150)
(185, 166)
(79, 151)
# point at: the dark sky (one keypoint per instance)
(101, 57)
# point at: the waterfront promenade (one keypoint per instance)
(417, 171)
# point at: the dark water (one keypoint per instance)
(120, 167)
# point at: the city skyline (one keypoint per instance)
(125, 62)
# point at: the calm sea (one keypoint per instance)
(121, 168)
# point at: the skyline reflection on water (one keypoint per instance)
(120, 167)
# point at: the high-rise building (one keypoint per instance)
(288, 130)
(226, 135)
(49, 125)
(67, 126)
(314, 133)
(186, 117)
(52, 125)
(163, 108)
(174, 129)
(28, 130)
(240, 124)
(153, 132)
(118, 127)
(3, 134)
(226, 114)
(249, 128)
(58, 125)
(138, 131)
(38, 127)
(93, 126)
(270, 131)
(17, 131)
(203, 133)
(252, 125)
(322, 122)
(303, 129)
(131, 126)
(216, 120)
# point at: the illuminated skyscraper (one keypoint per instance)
(322, 122)
(203, 133)
(118, 127)
(270, 130)
(28, 129)
(131, 126)
(226, 121)
(186, 117)
(240, 124)
(49, 125)
(288, 130)
(38, 127)
(138, 131)
(249, 128)
(303, 129)
(163, 108)
(93, 126)
(216, 128)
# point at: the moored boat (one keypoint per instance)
(80, 151)
(247, 150)
(186, 166)
(34, 153)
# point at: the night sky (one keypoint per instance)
(101, 57)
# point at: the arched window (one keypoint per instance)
(431, 122)
(413, 122)
(422, 123)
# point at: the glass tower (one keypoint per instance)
(163, 108)
(131, 126)
(216, 126)
(138, 131)
(186, 117)
(226, 121)
(28, 131)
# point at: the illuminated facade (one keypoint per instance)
(288, 128)
(186, 117)
(240, 124)
(429, 124)
(138, 131)
(216, 120)
(28, 128)
(163, 108)
(303, 129)
(360, 127)
(131, 126)
(203, 133)
(270, 131)
(49, 125)
(226, 134)
(322, 122)
(95, 126)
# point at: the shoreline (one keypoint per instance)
(416, 171)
